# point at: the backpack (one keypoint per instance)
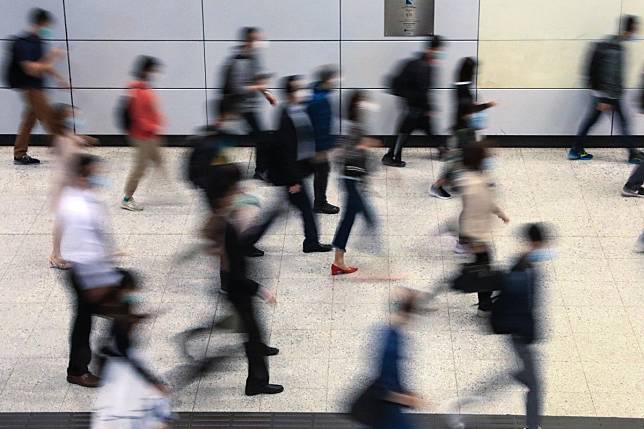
(13, 72)
(123, 116)
(512, 308)
(205, 153)
(397, 83)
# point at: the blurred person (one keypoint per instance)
(381, 405)
(413, 84)
(355, 169)
(296, 139)
(29, 65)
(321, 113)
(479, 207)
(67, 147)
(467, 120)
(633, 187)
(606, 80)
(246, 81)
(227, 241)
(639, 246)
(83, 221)
(146, 125)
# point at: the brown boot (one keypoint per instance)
(86, 380)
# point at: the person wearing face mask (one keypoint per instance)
(295, 139)
(245, 81)
(67, 146)
(354, 169)
(413, 85)
(86, 244)
(321, 113)
(146, 125)
(29, 65)
(606, 81)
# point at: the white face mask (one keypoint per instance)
(369, 106)
(261, 45)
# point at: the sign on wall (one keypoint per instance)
(409, 18)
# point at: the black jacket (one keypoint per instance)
(289, 171)
(417, 80)
(465, 105)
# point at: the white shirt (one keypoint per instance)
(84, 225)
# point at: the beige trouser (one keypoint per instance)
(146, 151)
(37, 108)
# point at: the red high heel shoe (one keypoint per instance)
(335, 270)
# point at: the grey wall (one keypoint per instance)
(193, 37)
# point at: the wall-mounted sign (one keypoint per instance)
(410, 18)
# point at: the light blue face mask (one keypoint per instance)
(541, 255)
(98, 182)
(45, 33)
(439, 55)
(478, 121)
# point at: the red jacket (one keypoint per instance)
(146, 118)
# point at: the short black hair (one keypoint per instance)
(83, 164)
(536, 232)
(246, 33)
(221, 179)
(144, 64)
(327, 73)
(473, 156)
(435, 42)
(288, 84)
(629, 23)
(353, 109)
(39, 16)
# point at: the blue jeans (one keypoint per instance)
(355, 204)
(593, 116)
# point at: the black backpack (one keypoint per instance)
(205, 154)
(397, 83)
(12, 71)
(123, 116)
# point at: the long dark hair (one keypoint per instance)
(466, 70)
(353, 109)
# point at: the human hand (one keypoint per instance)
(604, 107)
(57, 53)
(271, 98)
(493, 104)
(62, 83)
(163, 388)
(295, 189)
(504, 218)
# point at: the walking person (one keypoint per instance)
(67, 147)
(354, 172)
(246, 81)
(606, 80)
(633, 187)
(296, 140)
(413, 85)
(30, 64)
(86, 244)
(146, 126)
(321, 113)
(466, 123)
(479, 208)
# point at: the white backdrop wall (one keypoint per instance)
(194, 37)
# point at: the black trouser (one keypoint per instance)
(257, 365)
(321, 170)
(80, 352)
(593, 116)
(354, 204)
(483, 258)
(258, 137)
(302, 201)
(637, 178)
(414, 119)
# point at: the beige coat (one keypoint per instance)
(479, 206)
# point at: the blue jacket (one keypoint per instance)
(321, 114)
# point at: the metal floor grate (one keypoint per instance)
(312, 421)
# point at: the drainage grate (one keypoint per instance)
(312, 421)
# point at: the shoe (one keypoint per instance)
(574, 155)
(460, 250)
(326, 208)
(86, 380)
(271, 351)
(254, 252)
(636, 158)
(439, 192)
(628, 192)
(130, 205)
(335, 270)
(263, 176)
(26, 160)
(484, 312)
(393, 162)
(316, 248)
(266, 389)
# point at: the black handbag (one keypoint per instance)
(477, 278)
(365, 409)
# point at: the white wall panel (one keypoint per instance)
(539, 112)
(385, 121)
(367, 64)
(134, 19)
(184, 109)
(14, 17)
(112, 63)
(280, 58)
(280, 19)
(12, 108)
(364, 20)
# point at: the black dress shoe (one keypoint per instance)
(266, 389)
(390, 162)
(254, 252)
(326, 208)
(316, 248)
(271, 351)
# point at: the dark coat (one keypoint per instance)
(321, 114)
(289, 171)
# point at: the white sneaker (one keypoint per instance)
(131, 205)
